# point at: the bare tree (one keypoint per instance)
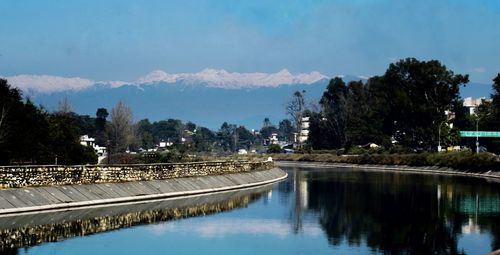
(120, 128)
(64, 106)
(295, 108)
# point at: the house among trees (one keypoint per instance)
(273, 139)
(303, 134)
(85, 140)
(473, 103)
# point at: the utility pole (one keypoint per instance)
(439, 143)
(477, 135)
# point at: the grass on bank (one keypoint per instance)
(464, 160)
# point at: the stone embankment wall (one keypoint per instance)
(31, 176)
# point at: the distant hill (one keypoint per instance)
(207, 106)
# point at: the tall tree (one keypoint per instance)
(31, 135)
(407, 104)
(120, 128)
(285, 130)
(64, 140)
(144, 134)
(420, 93)
(101, 116)
(334, 108)
(100, 125)
(170, 129)
(495, 103)
(64, 106)
(245, 138)
(495, 97)
(267, 122)
(488, 117)
(10, 106)
(295, 107)
(203, 139)
(228, 136)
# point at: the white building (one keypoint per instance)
(85, 140)
(164, 144)
(273, 139)
(473, 103)
(304, 130)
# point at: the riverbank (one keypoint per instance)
(492, 175)
(19, 200)
(459, 161)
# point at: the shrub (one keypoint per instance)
(274, 148)
(357, 150)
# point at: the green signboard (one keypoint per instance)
(479, 134)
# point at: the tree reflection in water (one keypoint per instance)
(32, 229)
(395, 213)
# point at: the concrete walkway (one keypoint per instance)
(18, 200)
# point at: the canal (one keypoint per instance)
(314, 211)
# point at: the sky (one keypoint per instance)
(126, 39)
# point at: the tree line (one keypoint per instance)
(31, 135)
(412, 106)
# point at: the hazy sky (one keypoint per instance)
(125, 39)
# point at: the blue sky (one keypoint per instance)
(125, 39)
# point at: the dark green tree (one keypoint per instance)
(171, 130)
(31, 135)
(204, 139)
(317, 131)
(488, 115)
(100, 126)
(10, 109)
(266, 132)
(245, 138)
(285, 130)
(63, 139)
(274, 148)
(190, 126)
(334, 109)
(420, 92)
(228, 137)
(145, 134)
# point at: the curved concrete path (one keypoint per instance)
(20, 200)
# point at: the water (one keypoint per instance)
(314, 211)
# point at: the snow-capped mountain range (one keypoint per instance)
(208, 77)
(208, 97)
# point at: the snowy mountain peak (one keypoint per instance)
(219, 78)
(154, 76)
(284, 72)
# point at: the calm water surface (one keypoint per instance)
(314, 211)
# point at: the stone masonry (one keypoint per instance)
(32, 176)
